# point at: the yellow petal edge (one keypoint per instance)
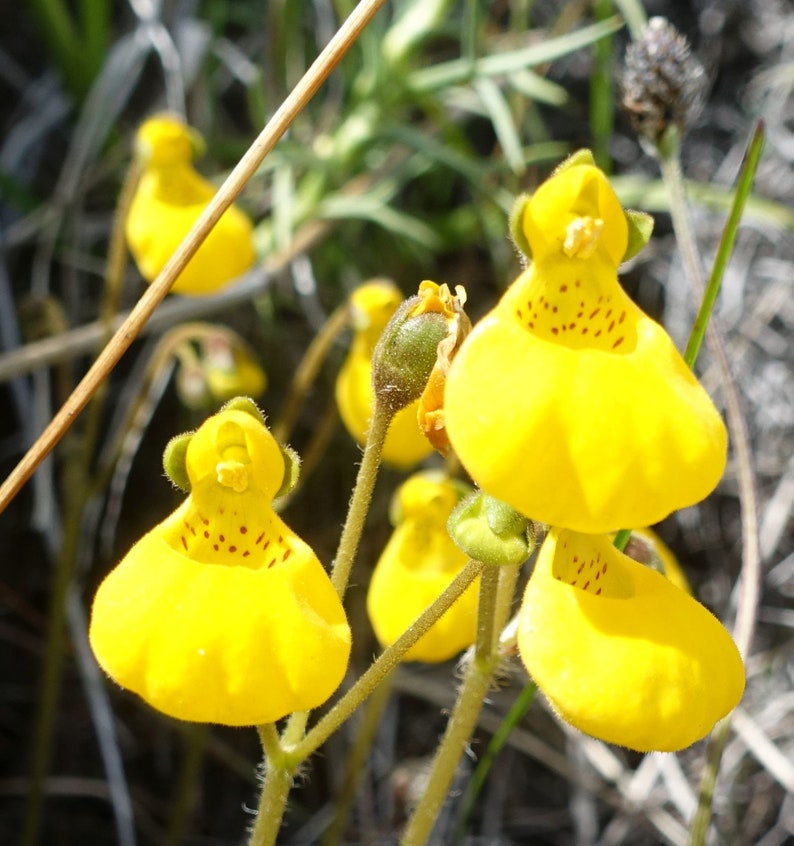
(221, 614)
(567, 401)
(417, 564)
(620, 652)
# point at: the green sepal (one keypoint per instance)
(175, 460)
(640, 231)
(580, 157)
(247, 405)
(490, 531)
(517, 234)
(292, 470)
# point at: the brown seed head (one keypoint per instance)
(663, 83)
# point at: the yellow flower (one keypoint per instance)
(168, 200)
(620, 652)
(372, 305)
(222, 614)
(231, 369)
(418, 563)
(567, 401)
(215, 366)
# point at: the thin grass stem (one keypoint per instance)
(184, 799)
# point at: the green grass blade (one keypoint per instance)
(743, 185)
(458, 71)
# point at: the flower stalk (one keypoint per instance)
(496, 589)
(362, 496)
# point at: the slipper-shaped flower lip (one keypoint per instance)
(620, 652)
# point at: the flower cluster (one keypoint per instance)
(571, 405)
(221, 613)
(566, 404)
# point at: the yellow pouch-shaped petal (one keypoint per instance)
(168, 200)
(620, 652)
(372, 305)
(567, 401)
(418, 563)
(221, 614)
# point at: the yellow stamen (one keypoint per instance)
(232, 474)
(582, 236)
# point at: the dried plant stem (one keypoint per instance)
(227, 193)
(307, 370)
(496, 586)
(670, 164)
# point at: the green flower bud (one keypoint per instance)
(489, 530)
(406, 353)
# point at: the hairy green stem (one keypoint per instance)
(699, 826)
(382, 668)
(492, 612)
(362, 495)
(284, 755)
(275, 788)
(272, 802)
(516, 713)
